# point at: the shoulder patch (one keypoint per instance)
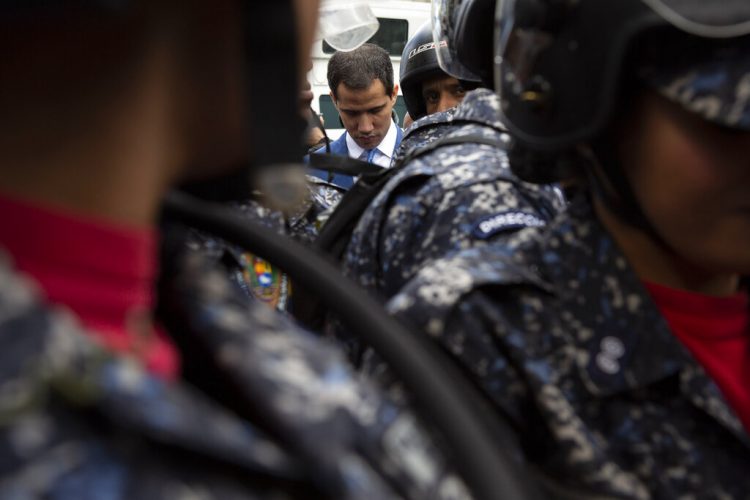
(505, 221)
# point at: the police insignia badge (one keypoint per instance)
(505, 221)
(266, 282)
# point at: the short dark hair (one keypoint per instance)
(358, 68)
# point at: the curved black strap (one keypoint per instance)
(342, 164)
(487, 459)
(317, 123)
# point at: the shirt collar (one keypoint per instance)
(355, 151)
(386, 146)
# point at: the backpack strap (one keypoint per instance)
(342, 164)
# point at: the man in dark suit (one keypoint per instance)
(363, 91)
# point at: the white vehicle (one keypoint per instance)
(399, 21)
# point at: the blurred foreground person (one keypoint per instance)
(106, 105)
(617, 337)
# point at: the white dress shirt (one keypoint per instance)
(383, 152)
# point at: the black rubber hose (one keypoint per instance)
(441, 394)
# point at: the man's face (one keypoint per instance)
(441, 93)
(366, 113)
(692, 179)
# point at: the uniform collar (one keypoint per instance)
(480, 106)
(429, 121)
(102, 271)
(625, 342)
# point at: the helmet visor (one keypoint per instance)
(517, 49)
(718, 84)
(705, 18)
(444, 14)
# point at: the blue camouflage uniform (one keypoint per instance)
(566, 343)
(456, 196)
(424, 131)
(257, 278)
(269, 411)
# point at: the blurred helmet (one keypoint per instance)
(463, 33)
(562, 64)
(563, 68)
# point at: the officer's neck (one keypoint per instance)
(655, 263)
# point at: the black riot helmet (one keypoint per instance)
(564, 68)
(418, 62)
(561, 64)
(421, 61)
(463, 32)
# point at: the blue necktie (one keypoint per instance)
(370, 155)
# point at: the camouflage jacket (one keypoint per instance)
(263, 409)
(568, 345)
(454, 197)
(422, 132)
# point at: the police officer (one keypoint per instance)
(458, 195)
(426, 87)
(105, 106)
(616, 338)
